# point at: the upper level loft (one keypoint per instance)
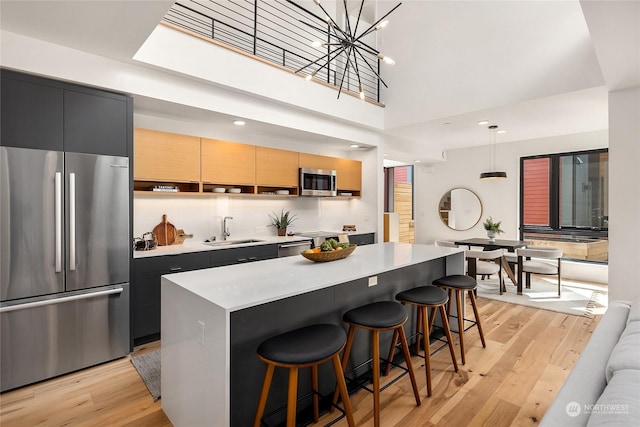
(330, 45)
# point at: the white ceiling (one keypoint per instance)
(535, 68)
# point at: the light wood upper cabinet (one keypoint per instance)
(165, 157)
(168, 162)
(228, 163)
(276, 168)
(349, 174)
(317, 161)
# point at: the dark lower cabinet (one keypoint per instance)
(220, 258)
(363, 239)
(145, 290)
(145, 287)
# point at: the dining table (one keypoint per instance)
(492, 244)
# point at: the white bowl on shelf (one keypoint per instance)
(235, 190)
(219, 190)
(283, 192)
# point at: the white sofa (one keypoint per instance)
(603, 389)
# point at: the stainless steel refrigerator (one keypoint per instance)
(64, 262)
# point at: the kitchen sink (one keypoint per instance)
(232, 242)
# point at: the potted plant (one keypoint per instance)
(493, 228)
(282, 221)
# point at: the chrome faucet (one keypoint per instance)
(225, 229)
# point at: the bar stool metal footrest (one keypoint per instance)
(324, 399)
(356, 381)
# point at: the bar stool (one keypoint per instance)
(301, 348)
(424, 298)
(377, 317)
(459, 284)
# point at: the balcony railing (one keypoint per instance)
(278, 31)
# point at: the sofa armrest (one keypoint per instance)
(586, 381)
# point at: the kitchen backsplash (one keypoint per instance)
(202, 216)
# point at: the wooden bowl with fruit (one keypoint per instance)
(330, 250)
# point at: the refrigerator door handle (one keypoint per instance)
(52, 301)
(72, 221)
(58, 221)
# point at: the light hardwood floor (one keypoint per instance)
(512, 382)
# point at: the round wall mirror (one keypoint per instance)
(460, 209)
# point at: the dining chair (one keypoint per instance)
(445, 243)
(512, 258)
(486, 264)
(538, 261)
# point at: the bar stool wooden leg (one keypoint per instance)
(460, 324)
(450, 302)
(432, 318)
(345, 359)
(427, 349)
(314, 387)
(472, 297)
(293, 396)
(375, 352)
(264, 394)
(447, 330)
(407, 357)
(419, 324)
(394, 342)
(342, 388)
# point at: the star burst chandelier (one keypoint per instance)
(348, 44)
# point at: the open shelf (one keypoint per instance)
(273, 191)
(157, 187)
(208, 188)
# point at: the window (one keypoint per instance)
(564, 203)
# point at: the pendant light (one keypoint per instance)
(492, 147)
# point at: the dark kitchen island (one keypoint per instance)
(214, 319)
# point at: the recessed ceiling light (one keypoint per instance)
(239, 122)
(446, 123)
(385, 154)
(416, 161)
(501, 131)
(354, 146)
(483, 122)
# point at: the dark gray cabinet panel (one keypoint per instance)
(31, 115)
(362, 239)
(95, 123)
(172, 263)
(145, 298)
(145, 287)
(250, 326)
(47, 114)
(220, 258)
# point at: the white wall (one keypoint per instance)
(500, 198)
(624, 194)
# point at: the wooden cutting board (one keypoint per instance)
(180, 236)
(165, 232)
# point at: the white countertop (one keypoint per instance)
(239, 286)
(190, 245)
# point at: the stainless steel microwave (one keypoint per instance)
(318, 182)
